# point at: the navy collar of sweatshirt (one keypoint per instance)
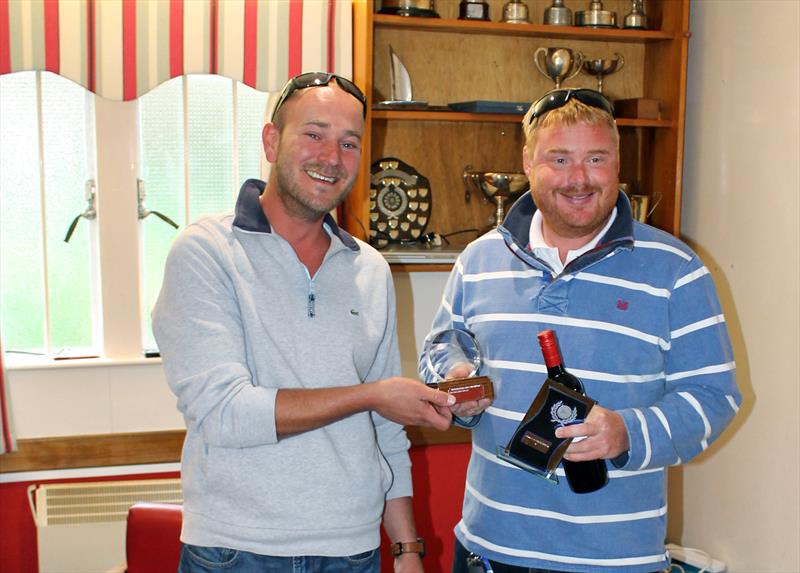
(250, 216)
(517, 228)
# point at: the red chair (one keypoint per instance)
(153, 538)
(154, 529)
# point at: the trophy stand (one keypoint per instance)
(534, 446)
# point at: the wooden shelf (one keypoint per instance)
(533, 30)
(438, 115)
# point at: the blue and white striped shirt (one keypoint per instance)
(638, 320)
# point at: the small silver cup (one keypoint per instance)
(601, 68)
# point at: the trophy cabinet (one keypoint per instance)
(450, 60)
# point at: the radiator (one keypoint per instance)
(80, 527)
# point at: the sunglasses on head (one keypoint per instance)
(316, 79)
(559, 98)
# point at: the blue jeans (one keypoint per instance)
(195, 559)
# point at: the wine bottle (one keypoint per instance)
(582, 477)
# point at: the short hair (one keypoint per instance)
(573, 112)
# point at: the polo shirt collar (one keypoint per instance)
(249, 216)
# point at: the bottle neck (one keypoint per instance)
(556, 371)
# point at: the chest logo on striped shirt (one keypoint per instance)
(622, 304)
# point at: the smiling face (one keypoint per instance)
(315, 145)
(573, 171)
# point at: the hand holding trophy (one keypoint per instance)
(453, 358)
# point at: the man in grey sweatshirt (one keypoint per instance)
(278, 337)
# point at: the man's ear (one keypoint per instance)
(270, 137)
(526, 161)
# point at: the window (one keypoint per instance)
(46, 150)
(209, 127)
(197, 138)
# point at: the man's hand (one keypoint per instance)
(411, 403)
(606, 436)
(470, 408)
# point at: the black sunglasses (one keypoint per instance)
(316, 79)
(559, 98)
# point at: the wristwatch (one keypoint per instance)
(401, 547)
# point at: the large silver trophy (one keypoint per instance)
(558, 64)
(500, 187)
(557, 14)
(453, 359)
(601, 68)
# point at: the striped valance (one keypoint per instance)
(121, 49)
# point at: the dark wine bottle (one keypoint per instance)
(582, 477)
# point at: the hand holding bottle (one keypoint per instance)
(605, 436)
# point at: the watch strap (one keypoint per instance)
(401, 547)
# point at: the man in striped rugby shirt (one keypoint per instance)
(638, 320)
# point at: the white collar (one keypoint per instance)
(549, 254)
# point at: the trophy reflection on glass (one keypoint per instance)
(558, 64)
(601, 68)
(500, 187)
(453, 358)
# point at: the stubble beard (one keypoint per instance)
(297, 203)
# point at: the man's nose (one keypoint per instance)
(577, 174)
(329, 152)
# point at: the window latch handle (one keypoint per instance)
(89, 213)
(144, 212)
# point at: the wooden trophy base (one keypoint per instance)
(467, 389)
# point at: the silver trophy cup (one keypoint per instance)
(603, 67)
(558, 64)
(500, 187)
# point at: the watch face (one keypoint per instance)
(399, 202)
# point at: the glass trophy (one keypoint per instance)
(534, 446)
(456, 351)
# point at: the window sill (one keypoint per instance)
(27, 362)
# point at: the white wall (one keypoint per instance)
(740, 212)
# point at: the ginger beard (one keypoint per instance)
(575, 212)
